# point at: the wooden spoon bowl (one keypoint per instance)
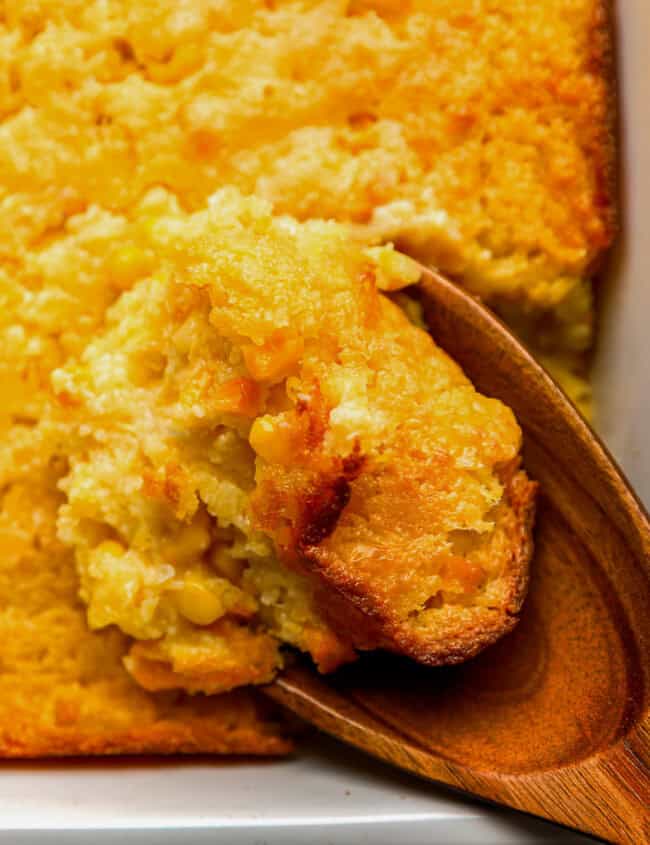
(554, 718)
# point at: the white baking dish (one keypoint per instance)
(622, 372)
(328, 794)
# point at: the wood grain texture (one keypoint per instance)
(553, 719)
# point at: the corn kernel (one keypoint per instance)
(272, 438)
(198, 603)
(274, 359)
(126, 264)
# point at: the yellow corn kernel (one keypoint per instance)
(274, 359)
(126, 264)
(198, 603)
(272, 438)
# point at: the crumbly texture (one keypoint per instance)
(63, 689)
(262, 447)
(475, 134)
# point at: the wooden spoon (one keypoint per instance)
(553, 719)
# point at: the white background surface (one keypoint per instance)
(328, 794)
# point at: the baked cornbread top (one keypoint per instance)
(472, 133)
(258, 440)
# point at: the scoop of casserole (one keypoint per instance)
(264, 449)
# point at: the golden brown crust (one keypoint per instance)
(354, 610)
(416, 534)
(162, 739)
(233, 725)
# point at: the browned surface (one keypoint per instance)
(233, 725)
(357, 603)
(417, 538)
(554, 718)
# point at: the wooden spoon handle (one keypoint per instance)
(614, 790)
(607, 795)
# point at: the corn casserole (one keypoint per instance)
(203, 456)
